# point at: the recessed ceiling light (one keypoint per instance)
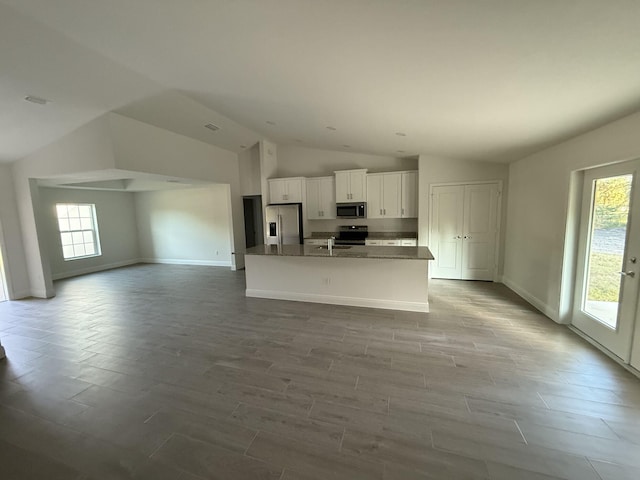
(332, 128)
(400, 151)
(401, 134)
(173, 181)
(271, 122)
(212, 127)
(346, 146)
(37, 100)
(243, 146)
(297, 140)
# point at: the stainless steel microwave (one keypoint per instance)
(351, 210)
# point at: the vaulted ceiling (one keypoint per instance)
(466, 79)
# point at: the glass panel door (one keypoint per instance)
(606, 286)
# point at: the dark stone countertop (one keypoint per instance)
(356, 251)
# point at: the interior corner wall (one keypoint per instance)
(117, 230)
(145, 148)
(186, 226)
(250, 180)
(434, 170)
(538, 207)
(11, 245)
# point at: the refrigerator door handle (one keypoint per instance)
(279, 229)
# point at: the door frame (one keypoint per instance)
(497, 259)
(582, 217)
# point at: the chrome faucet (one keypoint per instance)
(330, 243)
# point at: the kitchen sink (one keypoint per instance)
(336, 247)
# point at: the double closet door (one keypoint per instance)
(464, 231)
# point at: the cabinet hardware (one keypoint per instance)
(629, 273)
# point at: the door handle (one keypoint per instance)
(457, 237)
(629, 273)
(467, 237)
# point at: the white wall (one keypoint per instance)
(536, 263)
(188, 226)
(433, 170)
(116, 217)
(249, 162)
(86, 149)
(310, 162)
(144, 148)
(16, 273)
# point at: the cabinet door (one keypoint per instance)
(277, 192)
(342, 187)
(327, 198)
(358, 186)
(409, 195)
(374, 196)
(293, 190)
(480, 232)
(447, 212)
(391, 195)
(313, 199)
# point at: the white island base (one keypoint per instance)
(398, 284)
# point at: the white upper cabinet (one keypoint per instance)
(409, 195)
(285, 190)
(321, 194)
(384, 195)
(351, 186)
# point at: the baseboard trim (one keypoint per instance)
(604, 350)
(336, 300)
(536, 302)
(97, 268)
(20, 295)
(175, 261)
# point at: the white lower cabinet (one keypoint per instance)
(395, 242)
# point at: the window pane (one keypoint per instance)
(61, 210)
(74, 224)
(77, 237)
(609, 218)
(67, 251)
(86, 224)
(78, 250)
(89, 248)
(74, 211)
(87, 237)
(63, 224)
(66, 238)
(85, 211)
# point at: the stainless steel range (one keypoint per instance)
(352, 235)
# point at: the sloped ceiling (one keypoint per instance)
(475, 80)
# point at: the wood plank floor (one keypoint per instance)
(169, 372)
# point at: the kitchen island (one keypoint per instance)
(379, 277)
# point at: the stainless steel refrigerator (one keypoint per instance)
(284, 224)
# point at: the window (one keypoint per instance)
(78, 230)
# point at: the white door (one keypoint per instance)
(464, 231)
(327, 197)
(607, 277)
(480, 231)
(447, 212)
(342, 187)
(358, 186)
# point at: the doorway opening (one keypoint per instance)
(253, 229)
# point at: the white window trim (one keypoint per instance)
(94, 230)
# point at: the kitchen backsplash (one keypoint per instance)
(374, 224)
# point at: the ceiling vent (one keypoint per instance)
(37, 100)
(212, 127)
